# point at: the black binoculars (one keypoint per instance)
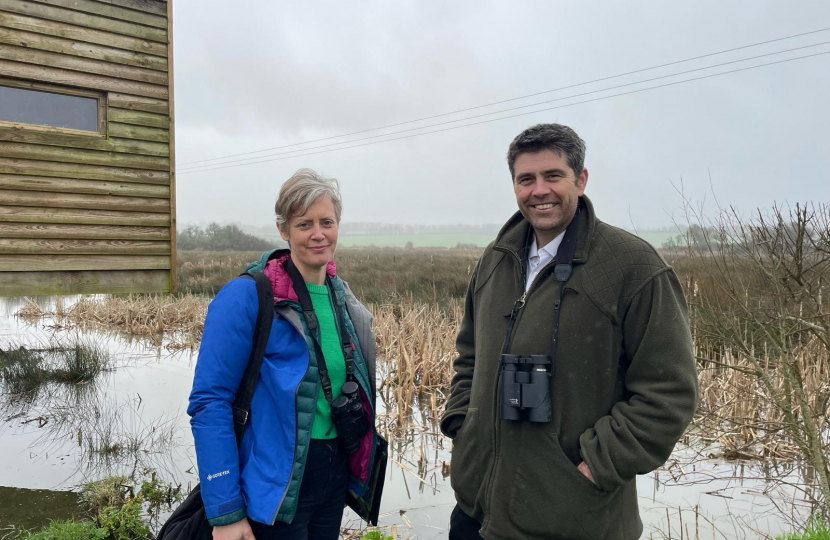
(347, 415)
(525, 387)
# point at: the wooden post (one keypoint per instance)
(172, 116)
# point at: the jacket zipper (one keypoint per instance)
(514, 317)
(337, 316)
(296, 437)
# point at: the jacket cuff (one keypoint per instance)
(452, 422)
(227, 519)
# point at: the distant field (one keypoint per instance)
(656, 239)
(418, 240)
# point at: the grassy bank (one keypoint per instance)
(815, 530)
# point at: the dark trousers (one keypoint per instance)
(322, 496)
(462, 526)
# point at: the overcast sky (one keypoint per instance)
(259, 74)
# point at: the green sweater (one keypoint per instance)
(335, 362)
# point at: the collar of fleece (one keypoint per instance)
(281, 283)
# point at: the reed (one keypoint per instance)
(25, 370)
(180, 319)
(416, 346)
(738, 412)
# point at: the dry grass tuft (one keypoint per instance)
(181, 318)
(30, 309)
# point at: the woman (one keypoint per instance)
(289, 476)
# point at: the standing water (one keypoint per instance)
(129, 420)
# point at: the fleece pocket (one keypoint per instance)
(551, 498)
(471, 451)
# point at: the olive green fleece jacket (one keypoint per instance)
(623, 391)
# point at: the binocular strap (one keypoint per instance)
(314, 327)
(562, 272)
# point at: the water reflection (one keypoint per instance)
(126, 420)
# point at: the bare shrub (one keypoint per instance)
(760, 317)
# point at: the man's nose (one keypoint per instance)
(539, 187)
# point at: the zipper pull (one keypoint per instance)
(520, 303)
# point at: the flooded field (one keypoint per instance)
(129, 420)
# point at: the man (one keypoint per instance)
(620, 381)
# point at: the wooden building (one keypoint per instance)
(86, 147)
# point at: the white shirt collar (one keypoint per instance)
(538, 258)
(548, 249)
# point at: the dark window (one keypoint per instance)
(49, 109)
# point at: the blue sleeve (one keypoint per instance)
(223, 356)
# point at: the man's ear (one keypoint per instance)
(582, 181)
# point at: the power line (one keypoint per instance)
(517, 115)
(510, 99)
(199, 167)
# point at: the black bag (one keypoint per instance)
(368, 506)
(188, 521)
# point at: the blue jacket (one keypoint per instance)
(261, 478)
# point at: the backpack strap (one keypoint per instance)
(262, 329)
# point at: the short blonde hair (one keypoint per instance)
(300, 191)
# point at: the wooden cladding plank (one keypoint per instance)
(76, 48)
(91, 232)
(31, 214)
(22, 263)
(156, 7)
(138, 118)
(88, 157)
(21, 70)
(72, 185)
(88, 282)
(83, 65)
(22, 246)
(107, 9)
(51, 13)
(85, 35)
(124, 146)
(127, 131)
(85, 172)
(137, 103)
(81, 200)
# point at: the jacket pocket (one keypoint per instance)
(549, 497)
(471, 451)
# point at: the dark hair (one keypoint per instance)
(561, 139)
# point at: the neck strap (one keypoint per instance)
(566, 250)
(313, 324)
(561, 271)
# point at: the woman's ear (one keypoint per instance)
(283, 234)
